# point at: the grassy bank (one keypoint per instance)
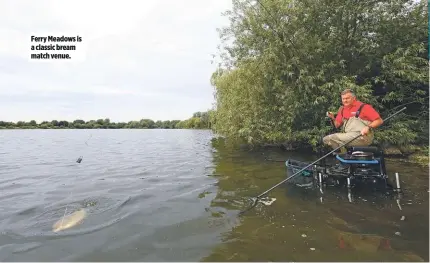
(412, 154)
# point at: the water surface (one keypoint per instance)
(141, 188)
(305, 225)
(173, 195)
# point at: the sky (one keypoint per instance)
(137, 59)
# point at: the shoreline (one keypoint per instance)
(416, 154)
(419, 155)
(419, 159)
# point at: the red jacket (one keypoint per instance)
(367, 113)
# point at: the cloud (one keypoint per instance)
(138, 59)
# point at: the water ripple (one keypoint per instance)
(140, 181)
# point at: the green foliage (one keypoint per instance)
(284, 64)
(200, 120)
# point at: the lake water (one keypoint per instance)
(173, 195)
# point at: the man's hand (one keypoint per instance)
(331, 116)
(365, 131)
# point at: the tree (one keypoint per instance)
(285, 63)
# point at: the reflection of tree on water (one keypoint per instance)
(300, 227)
(401, 228)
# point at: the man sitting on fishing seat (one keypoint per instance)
(356, 118)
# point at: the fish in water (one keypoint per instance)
(69, 221)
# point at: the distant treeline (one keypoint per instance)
(199, 120)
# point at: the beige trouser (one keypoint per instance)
(337, 139)
(352, 128)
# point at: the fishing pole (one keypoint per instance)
(411, 102)
(295, 174)
(274, 160)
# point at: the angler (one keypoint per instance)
(361, 164)
(356, 118)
